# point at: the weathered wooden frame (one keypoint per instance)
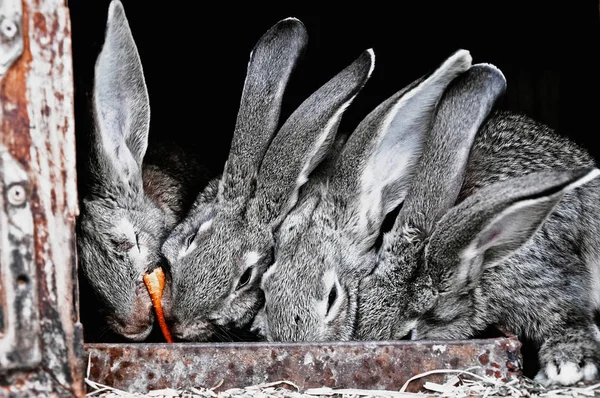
(41, 351)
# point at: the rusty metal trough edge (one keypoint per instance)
(362, 364)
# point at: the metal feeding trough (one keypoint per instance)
(360, 365)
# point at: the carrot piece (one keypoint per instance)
(155, 282)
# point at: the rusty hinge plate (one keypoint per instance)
(11, 37)
(364, 365)
(19, 323)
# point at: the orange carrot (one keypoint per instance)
(155, 282)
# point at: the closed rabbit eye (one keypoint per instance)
(123, 245)
(245, 278)
(190, 239)
(188, 245)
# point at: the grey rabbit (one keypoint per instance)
(132, 200)
(334, 228)
(218, 254)
(499, 226)
(509, 237)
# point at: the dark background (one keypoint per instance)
(195, 60)
(195, 56)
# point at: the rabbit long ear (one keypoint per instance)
(271, 64)
(304, 139)
(497, 220)
(439, 177)
(379, 158)
(121, 105)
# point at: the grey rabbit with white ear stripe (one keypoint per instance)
(220, 251)
(131, 204)
(339, 218)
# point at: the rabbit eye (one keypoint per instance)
(332, 298)
(123, 246)
(245, 278)
(190, 239)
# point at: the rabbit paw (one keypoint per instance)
(569, 358)
(567, 373)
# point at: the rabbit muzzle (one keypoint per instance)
(138, 324)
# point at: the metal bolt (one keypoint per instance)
(17, 195)
(8, 28)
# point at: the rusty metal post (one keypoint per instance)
(40, 336)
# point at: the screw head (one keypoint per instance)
(17, 195)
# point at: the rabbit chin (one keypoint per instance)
(137, 329)
(193, 331)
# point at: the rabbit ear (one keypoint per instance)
(439, 177)
(379, 158)
(272, 61)
(305, 138)
(497, 220)
(121, 104)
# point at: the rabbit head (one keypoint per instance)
(120, 229)
(326, 245)
(220, 251)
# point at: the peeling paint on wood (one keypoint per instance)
(37, 130)
(11, 37)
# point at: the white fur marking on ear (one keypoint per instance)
(398, 150)
(251, 258)
(470, 253)
(584, 180)
(372, 55)
(303, 176)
